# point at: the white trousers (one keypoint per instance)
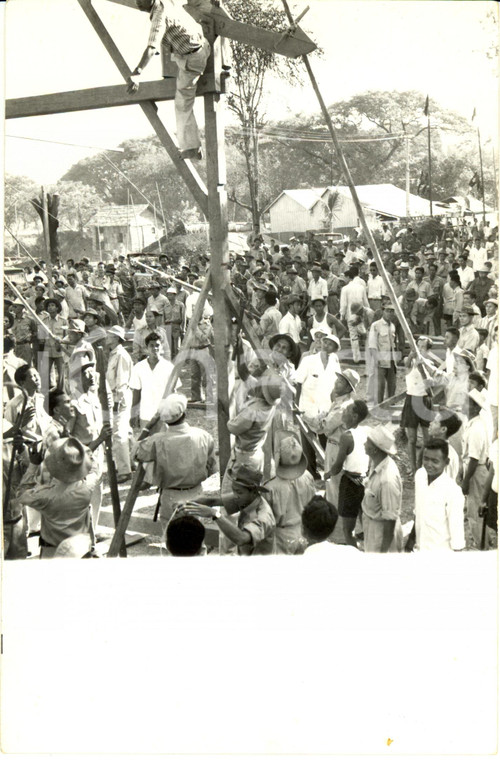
(121, 441)
(190, 67)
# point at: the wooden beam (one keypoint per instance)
(99, 97)
(291, 44)
(219, 264)
(185, 168)
(138, 476)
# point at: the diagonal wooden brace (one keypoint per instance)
(188, 173)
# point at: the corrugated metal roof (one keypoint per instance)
(383, 198)
(305, 197)
(117, 216)
(389, 199)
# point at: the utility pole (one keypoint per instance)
(482, 175)
(407, 140)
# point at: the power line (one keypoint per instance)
(58, 142)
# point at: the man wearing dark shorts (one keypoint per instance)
(353, 462)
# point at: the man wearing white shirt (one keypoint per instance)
(149, 380)
(375, 287)
(317, 287)
(291, 324)
(465, 272)
(353, 292)
(316, 376)
(477, 254)
(448, 426)
(396, 247)
(439, 502)
(191, 301)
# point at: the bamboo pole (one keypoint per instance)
(21, 244)
(482, 174)
(161, 209)
(171, 277)
(46, 236)
(138, 477)
(359, 209)
(429, 158)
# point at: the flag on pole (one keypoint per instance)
(473, 114)
(426, 107)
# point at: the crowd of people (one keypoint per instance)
(313, 466)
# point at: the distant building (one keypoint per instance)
(332, 208)
(124, 229)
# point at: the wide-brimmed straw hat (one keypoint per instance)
(68, 460)
(383, 439)
(271, 386)
(350, 376)
(291, 462)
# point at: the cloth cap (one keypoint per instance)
(172, 408)
(316, 268)
(247, 477)
(383, 439)
(118, 331)
(92, 312)
(351, 376)
(317, 331)
(404, 265)
(318, 298)
(172, 290)
(68, 460)
(77, 325)
(154, 310)
(467, 310)
(291, 461)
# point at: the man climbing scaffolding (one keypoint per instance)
(175, 32)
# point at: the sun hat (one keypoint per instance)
(467, 310)
(248, 478)
(479, 398)
(91, 312)
(171, 289)
(291, 461)
(350, 376)
(318, 298)
(271, 386)
(118, 331)
(333, 338)
(284, 336)
(383, 439)
(493, 301)
(172, 408)
(68, 460)
(55, 302)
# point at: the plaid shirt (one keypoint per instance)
(174, 28)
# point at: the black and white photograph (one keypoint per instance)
(251, 311)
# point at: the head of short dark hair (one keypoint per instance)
(419, 269)
(353, 271)
(433, 301)
(449, 420)
(270, 298)
(478, 378)
(360, 409)
(21, 373)
(438, 444)
(454, 276)
(151, 337)
(319, 518)
(185, 536)
(453, 330)
(54, 397)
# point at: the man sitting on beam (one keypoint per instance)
(173, 30)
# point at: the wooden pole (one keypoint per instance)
(359, 209)
(407, 177)
(138, 477)
(219, 270)
(482, 175)
(46, 236)
(21, 244)
(161, 209)
(28, 307)
(429, 159)
(106, 401)
(185, 168)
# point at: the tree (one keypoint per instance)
(18, 211)
(251, 68)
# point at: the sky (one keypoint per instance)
(437, 47)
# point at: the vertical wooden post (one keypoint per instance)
(46, 237)
(218, 230)
(429, 159)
